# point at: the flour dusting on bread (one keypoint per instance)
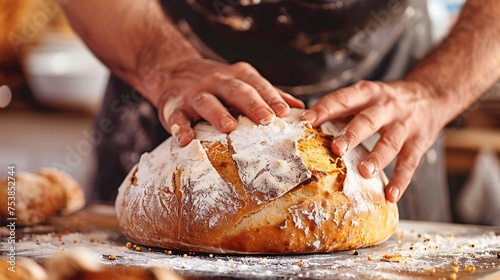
(259, 189)
(267, 157)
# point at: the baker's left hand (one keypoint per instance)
(407, 114)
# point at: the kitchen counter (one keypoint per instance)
(419, 250)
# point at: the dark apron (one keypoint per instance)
(306, 47)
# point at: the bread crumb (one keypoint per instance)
(185, 256)
(471, 245)
(354, 252)
(232, 265)
(169, 252)
(410, 256)
(498, 255)
(63, 249)
(452, 276)
(392, 258)
(261, 259)
(300, 263)
(432, 270)
(370, 258)
(149, 249)
(111, 257)
(450, 235)
(137, 248)
(455, 263)
(211, 256)
(471, 269)
(455, 269)
(405, 261)
(459, 246)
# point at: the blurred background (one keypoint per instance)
(55, 87)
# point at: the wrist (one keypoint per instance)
(157, 48)
(439, 98)
(151, 79)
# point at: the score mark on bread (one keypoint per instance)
(259, 189)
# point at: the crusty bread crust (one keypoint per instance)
(333, 209)
(39, 196)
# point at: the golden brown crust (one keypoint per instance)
(36, 200)
(21, 269)
(39, 196)
(318, 215)
(80, 264)
(72, 193)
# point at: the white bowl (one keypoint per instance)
(62, 73)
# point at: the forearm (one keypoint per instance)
(467, 63)
(129, 36)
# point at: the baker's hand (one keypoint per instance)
(407, 115)
(202, 88)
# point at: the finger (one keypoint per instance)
(211, 109)
(342, 102)
(246, 73)
(363, 125)
(406, 165)
(239, 95)
(291, 100)
(386, 149)
(179, 125)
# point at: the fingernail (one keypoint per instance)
(265, 116)
(341, 146)
(394, 193)
(226, 122)
(280, 109)
(309, 116)
(177, 139)
(174, 129)
(369, 167)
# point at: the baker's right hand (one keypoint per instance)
(203, 88)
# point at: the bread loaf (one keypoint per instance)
(39, 196)
(259, 189)
(82, 264)
(21, 269)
